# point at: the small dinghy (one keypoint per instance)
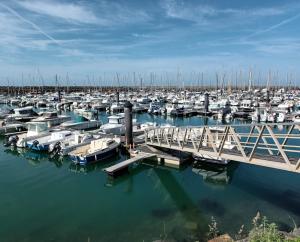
(95, 151)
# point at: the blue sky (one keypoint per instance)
(94, 39)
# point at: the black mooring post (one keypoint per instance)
(206, 102)
(128, 124)
(268, 97)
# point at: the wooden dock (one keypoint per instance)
(124, 164)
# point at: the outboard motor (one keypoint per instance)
(56, 148)
(35, 143)
(12, 141)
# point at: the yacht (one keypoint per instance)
(115, 125)
(12, 127)
(154, 109)
(52, 118)
(139, 108)
(83, 125)
(116, 108)
(171, 109)
(88, 114)
(23, 114)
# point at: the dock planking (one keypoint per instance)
(124, 164)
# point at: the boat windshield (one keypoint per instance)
(38, 127)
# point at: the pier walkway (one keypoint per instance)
(269, 145)
(124, 164)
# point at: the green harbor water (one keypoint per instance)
(45, 199)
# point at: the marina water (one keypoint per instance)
(46, 199)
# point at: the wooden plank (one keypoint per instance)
(128, 162)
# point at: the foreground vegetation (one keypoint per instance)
(262, 231)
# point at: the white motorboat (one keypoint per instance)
(116, 108)
(296, 118)
(84, 125)
(23, 114)
(65, 146)
(114, 126)
(95, 151)
(52, 118)
(34, 130)
(43, 143)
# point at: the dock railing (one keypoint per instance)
(265, 144)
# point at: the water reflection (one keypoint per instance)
(185, 209)
(34, 158)
(126, 177)
(188, 209)
(215, 174)
(76, 168)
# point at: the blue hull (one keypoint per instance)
(38, 147)
(85, 160)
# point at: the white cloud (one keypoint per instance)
(108, 12)
(66, 11)
(204, 13)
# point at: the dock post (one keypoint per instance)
(206, 102)
(128, 124)
(268, 96)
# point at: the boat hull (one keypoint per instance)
(38, 147)
(95, 157)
